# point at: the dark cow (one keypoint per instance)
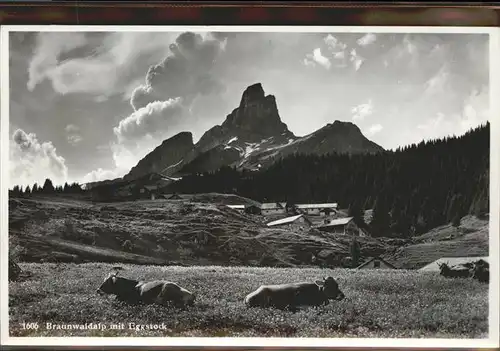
(448, 272)
(14, 270)
(480, 271)
(134, 292)
(289, 296)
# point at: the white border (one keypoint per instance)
(491, 342)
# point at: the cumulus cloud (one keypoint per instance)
(374, 129)
(334, 44)
(99, 175)
(317, 58)
(31, 161)
(73, 135)
(338, 53)
(362, 110)
(156, 117)
(113, 59)
(185, 73)
(367, 39)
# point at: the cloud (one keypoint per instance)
(49, 46)
(156, 117)
(317, 58)
(73, 135)
(374, 129)
(186, 72)
(334, 44)
(31, 161)
(99, 175)
(143, 130)
(475, 111)
(343, 54)
(432, 124)
(438, 82)
(356, 59)
(98, 63)
(367, 39)
(361, 111)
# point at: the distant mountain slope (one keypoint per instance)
(471, 238)
(166, 158)
(196, 231)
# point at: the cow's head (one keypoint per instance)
(444, 268)
(188, 297)
(330, 288)
(109, 284)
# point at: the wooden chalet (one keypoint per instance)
(297, 222)
(346, 226)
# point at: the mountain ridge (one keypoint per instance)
(251, 137)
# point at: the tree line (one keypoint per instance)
(411, 189)
(47, 188)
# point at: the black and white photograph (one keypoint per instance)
(303, 185)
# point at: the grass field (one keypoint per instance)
(391, 303)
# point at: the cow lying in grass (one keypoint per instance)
(478, 270)
(449, 272)
(290, 296)
(135, 292)
(481, 271)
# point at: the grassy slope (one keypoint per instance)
(162, 231)
(391, 303)
(469, 239)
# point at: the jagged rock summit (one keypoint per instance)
(255, 119)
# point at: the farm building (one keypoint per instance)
(253, 209)
(376, 263)
(452, 261)
(148, 192)
(266, 208)
(172, 196)
(272, 208)
(315, 209)
(298, 222)
(345, 226)
(237, 207)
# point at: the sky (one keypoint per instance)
(87, 106)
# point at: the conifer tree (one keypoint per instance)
(48, 187)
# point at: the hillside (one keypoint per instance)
(471, 238)
(200, 231)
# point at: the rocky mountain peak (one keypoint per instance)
(255, 119)
(253, 93)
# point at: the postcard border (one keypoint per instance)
(492, 341)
